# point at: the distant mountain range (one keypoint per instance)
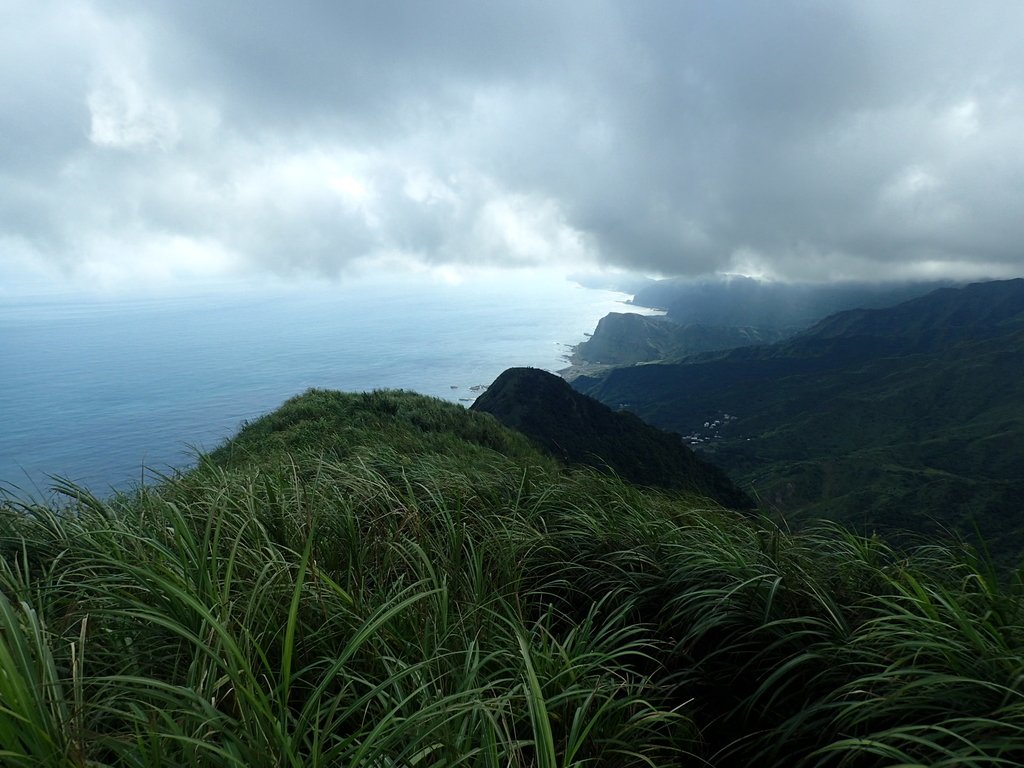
(903, 418)
(734, 301)
(723, 313)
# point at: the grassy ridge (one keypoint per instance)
(389, 580)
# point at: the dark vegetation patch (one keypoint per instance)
(581, 430)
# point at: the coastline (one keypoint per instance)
(578, 367)
(131, 406)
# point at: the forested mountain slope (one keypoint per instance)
(907, 418)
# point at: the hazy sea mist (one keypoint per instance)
(96, 390)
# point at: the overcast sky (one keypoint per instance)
(180, 141)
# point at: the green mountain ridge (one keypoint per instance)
(907, 418)
(940, 319)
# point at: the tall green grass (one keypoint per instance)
(385, 580)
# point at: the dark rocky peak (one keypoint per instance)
(580, 430)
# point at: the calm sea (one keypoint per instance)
(96, 391)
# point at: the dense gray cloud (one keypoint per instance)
(181, 140)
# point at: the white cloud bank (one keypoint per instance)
(179, 141)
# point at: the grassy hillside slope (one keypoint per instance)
(390, 580)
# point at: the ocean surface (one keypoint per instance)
(107, 392)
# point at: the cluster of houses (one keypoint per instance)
(710, 432)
